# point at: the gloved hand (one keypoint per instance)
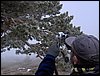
(54, 50)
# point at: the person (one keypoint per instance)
(85, 54)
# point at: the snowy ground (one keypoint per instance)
(25, 67)
(12, 64)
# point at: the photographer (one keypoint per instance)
(85, 54)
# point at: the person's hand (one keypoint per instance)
(54, 50)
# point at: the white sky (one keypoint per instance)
(86, 15)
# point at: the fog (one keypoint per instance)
(13, 64)
(9, 57)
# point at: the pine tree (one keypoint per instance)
(24, 20)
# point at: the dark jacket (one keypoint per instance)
(47, 67)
